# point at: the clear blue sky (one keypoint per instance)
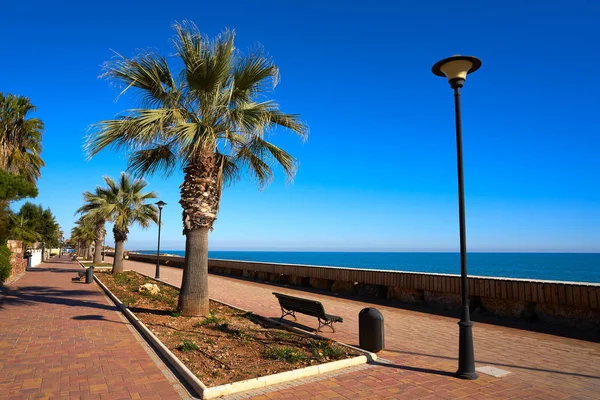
(378, 171)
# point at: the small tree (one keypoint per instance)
(124, 204)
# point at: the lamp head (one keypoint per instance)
(161, 204)
(456, 68)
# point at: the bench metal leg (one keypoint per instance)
(285, 312)
(323, 323)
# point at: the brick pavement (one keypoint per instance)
(420, 355)
(63, 340)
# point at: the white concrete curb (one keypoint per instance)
(236, 387)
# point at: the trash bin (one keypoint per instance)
(27, 256)
(89, 275)
(370, 329)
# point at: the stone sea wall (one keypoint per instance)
(568, 303)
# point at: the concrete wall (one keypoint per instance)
(551, 301)
(36, 257)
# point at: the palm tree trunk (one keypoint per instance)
(120, 238)
(200, 196)
(118, 259)
(99, 235)
(193, 297)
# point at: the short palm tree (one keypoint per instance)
(82, 235)
(210, 119)
(123, 203)
(20, 137)
(92, 201)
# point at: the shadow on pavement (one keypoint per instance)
(95, 317)
(413, 369)
(31, 295)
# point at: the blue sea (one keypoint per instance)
(576, 267)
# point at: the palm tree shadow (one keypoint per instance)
(32, 295)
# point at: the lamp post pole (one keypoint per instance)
(104, 246)
(160, 205)
(456, 68)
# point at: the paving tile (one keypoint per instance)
(61, 339)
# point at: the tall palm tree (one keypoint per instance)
(20, 137)
(124, 204)
(210, 119)
(92, 201)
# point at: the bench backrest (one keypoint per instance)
(304, 306)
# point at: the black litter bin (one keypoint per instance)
(370, 329)
(89, 275)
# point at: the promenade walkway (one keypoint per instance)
(64, 340)
(420, 356)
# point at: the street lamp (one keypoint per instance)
(160, 205)
(456, 68)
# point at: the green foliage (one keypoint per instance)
(5, 267)
(187, 346)
(211, 320)
(20, 138)
(34, 224)
(122, 202)
(285, 353)
(15, 187)
(215, 108)
(324, 349)
(175, 314)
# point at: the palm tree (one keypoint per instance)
(92, 201)
(124, 204)
(211, 120)
(20, 138)
(83, 236)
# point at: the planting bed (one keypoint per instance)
(229, 345)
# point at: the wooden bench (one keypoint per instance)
(290, 305)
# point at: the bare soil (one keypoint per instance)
(228, 346)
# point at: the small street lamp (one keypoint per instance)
(455, 69)
(160, 205)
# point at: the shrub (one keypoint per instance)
(324, 349)
(212, 319)
(5, 267)
(187, 346)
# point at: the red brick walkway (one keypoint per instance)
(421, 349)
(63, 340)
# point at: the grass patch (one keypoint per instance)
(211, 320)
(175, 314)
(287, 354)
(324, 349)
(187, 346)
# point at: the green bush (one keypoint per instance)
(4, 263)
(187, 346)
